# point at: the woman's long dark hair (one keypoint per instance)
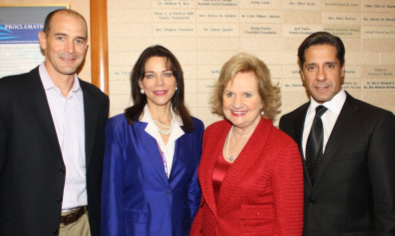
(134, 112)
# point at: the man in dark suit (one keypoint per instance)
(52, 139)
(348, 149)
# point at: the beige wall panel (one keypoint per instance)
(302, 4)
(378, 72)
(344, 31)
(203, 99)
(174, 30)
(173, 16)
(217, 30)
(123, 59)
(225, 5)
(267, 44)
(300, 30)
(292, 44)
(293, 85)
(209, 71)
(191, 100)
(215, 44)
(378, 45)
(176, 43)
(260, 16)
(353, 72)
(379, 98)
(191, 86)
(260, 4)
(260, 30)
(131, 16)
(120, 102)
(134, 4)
(341, 18)
(214, 57)
(121, 73)
(353, 85)
(218, 16)
(387, 58)
(190, 72)
(295, 98)
(291, 72)
(209, 117)
(378, 32)
(173, 4)
(276, 72)
(130, 31)
(362, 58)
(378, 19)
(128, 44)
(302, 17)
(352, 45)
(206, 85)
(341, 5)
(204, 34)
(185, 57)
(378, 6)
(272, 58)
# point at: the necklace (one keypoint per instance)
(229, 158)
(167, 129)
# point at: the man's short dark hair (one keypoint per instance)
(322, 38)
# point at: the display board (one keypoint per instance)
(203, 34)
(19, 26)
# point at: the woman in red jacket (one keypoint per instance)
(250, 173)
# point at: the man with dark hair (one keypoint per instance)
(52, 139)
(348, 149)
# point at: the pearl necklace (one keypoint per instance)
(229, 158)
(167, 129)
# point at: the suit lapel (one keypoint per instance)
(41, 108)
(151, 152)
(178, 166)
(298, 137)
(246, 160)
(90, 114)
(211, 151)
(342, 127)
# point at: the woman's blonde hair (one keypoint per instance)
(244, 62)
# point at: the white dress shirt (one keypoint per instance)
(69, 120)
(169, 148)
(329, 118)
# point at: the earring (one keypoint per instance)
(176, 88)
(262, 112)
(142, 91)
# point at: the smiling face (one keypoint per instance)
(65, 44)
(159, 83)
(321, 72)
(242, 103)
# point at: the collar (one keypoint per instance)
(48, 83)
(153, 130)
(335, 104)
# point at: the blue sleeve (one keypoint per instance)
(194, 193)
(112, 185)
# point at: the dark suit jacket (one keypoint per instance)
(354, 193)
(32, 172)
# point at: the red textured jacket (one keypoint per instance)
(262, 192)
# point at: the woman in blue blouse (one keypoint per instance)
(152, 153)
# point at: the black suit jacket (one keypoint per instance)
(32, 172)
(354, 193)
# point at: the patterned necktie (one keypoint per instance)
(314, 147)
